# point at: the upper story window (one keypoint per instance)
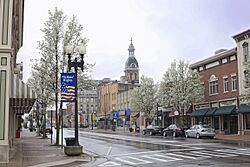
(225, 83)
(213, 85)
(234, 82)
(225, 60)
(245, 51)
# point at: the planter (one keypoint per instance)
(73, 150)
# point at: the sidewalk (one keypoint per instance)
(31, 150)
(234, 137)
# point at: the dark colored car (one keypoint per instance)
(152, 130)
(174, 130)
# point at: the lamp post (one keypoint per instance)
(92, 119)
(157, 117)
(76, 64)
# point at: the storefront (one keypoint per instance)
(244, 119)
(224, 119)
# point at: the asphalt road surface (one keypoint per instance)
(114, 150)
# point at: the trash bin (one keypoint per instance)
(70, 141)
(17, 133)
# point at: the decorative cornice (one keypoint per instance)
(214, 58)
(242, 36)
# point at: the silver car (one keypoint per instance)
(199, 131)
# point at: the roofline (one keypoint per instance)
(214, 58)
(240, 34)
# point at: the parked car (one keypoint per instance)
(174, 130)
(199, 131)
(152, 130)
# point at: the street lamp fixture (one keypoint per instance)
(76, 64)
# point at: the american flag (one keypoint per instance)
(68, 92)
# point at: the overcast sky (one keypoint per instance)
(162, 31)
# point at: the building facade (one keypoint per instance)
(114, 95)
(242, 41)
(219, 76)
(88, 107)
(16, 98)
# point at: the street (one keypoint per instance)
(134, 150)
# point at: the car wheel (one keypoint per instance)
(150, 133)
(144, 133)
(197, 136)
(211, 137)
(165, 134)
(174, 134)
(186, 135)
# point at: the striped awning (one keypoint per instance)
(22, 97)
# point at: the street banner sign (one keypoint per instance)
(68, 87)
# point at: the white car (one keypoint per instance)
(199, 131)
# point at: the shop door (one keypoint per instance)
(234, 124)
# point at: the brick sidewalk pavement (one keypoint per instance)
(31, 150)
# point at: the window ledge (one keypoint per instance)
(234, 90)
(226, 91)
(213, 94)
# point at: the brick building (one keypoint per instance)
(223, 75)
(219, 77)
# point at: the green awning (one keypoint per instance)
(244, 108)
(225, 110)
(211, 111)
(200, 112)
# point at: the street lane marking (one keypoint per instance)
(181, 156)
(109, 163)
(124, 160)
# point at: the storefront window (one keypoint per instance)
(247, 118)
(216, 122)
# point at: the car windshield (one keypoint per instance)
(205, 126)
(155, 126)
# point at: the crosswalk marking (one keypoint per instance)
(227, 154)
(109, 163)
(172, 158)
(139, 161)
(179, 155)
(195, 154)
(125, 161)
(234, 151)
(209, 154)
(157, 159)
(165, 157)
